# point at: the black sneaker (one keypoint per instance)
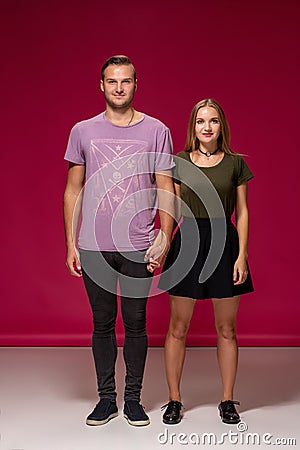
(172, 415)
(105, 410)
(228, 412)
(135, 414)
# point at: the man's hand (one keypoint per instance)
(73, 262)
(157, 252)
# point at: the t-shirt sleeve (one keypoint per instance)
(243, 173)
(74, 152)
(164, 152)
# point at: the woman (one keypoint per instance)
(211, 180)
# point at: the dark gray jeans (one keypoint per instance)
(101, 273)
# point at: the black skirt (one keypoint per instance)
(201, 260)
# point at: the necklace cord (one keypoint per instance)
(133, 111)
(208, 154)
(131, 118)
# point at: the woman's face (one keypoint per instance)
(208, 125)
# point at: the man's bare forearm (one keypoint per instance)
(72, 209)
(72, 202)
(166, 207)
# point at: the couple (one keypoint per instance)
(121, 169)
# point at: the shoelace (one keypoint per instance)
(229, 405)
(173, 405)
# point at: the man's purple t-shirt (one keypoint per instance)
(120, 196)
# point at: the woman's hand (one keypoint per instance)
(240, 271)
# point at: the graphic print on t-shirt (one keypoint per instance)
(122, 165)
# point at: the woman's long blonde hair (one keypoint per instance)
(192, 142)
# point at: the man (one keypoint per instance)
(125, 157)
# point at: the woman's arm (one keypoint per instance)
(177, 205)
(240, 271)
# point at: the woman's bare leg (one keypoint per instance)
(181, 313)
(227, 350)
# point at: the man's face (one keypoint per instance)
(118, 85)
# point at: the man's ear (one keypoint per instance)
(101, 85)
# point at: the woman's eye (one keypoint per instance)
(215, 121)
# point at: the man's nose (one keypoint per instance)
(119, 87)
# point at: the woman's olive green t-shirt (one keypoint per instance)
(209, 191)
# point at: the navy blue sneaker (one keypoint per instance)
(105, 410)
(135, 414)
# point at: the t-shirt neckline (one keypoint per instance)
(206, 167)
(122, 126)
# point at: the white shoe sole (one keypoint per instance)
(137, 423)
(100, 422)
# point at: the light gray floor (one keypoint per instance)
(46, 393)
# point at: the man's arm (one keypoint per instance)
(72, 208)
(156, 254)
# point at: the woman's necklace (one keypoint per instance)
(208, 154)
(207, 162)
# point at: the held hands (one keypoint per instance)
(157, 252)
(240, 271)
(73, 262)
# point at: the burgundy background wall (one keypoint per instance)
(244, 54)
